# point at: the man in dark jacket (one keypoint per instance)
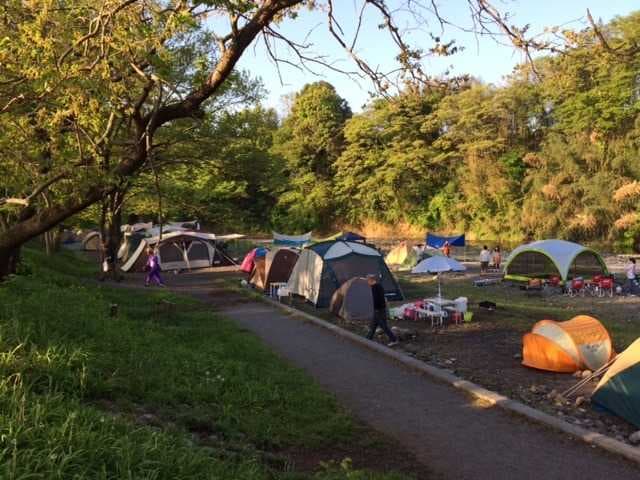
(379, 311)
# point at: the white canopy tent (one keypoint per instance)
(542, 257)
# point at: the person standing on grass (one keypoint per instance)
(446, 249)
(485, 258)
(153, 269)
(497, 258)
(103, 258)
(379, 311)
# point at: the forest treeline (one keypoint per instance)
(553, 152)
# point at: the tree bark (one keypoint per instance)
(9, 259)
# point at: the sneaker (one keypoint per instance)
(393, 344)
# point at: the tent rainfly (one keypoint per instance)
(323, 267)
(546, 258)
(353, 301)
(619, 389)
(291, 240)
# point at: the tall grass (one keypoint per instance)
(85, 395)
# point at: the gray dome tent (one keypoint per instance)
(546, 258)
(323, 267)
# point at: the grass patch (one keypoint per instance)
(87, 395)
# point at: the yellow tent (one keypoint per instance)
(403, 255)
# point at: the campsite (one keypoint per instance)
(319, 239)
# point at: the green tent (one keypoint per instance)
(619, 389)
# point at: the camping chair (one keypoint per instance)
(606, 287)
(576, 287)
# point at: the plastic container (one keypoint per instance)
(461, 304)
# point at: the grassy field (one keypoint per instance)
(145, 396)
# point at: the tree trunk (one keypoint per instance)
(9, 259)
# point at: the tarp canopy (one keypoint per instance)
(619, 389)
(291, 240)
(546, 258)
(437, 241)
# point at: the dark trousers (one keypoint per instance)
(380, 320)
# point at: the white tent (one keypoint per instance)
(547, 257)
(438, 264)
(180, 250)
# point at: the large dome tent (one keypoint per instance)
(323, 267)
(182, 250)
(547, 258)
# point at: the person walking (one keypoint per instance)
(153, 269)
(485, 258)
(446, 249)
(497, 258)
(379, 311)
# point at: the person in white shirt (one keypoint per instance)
(631, 285)
(485, 258)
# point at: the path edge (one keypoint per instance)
(492, 398)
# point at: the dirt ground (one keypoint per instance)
(488, 351)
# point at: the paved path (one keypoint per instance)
(442, 426)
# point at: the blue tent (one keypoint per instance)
(437, 241)
(351, 237)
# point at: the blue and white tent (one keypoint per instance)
(292, 240)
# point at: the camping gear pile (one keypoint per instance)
(437, 310)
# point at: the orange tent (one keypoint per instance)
(577, 344)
